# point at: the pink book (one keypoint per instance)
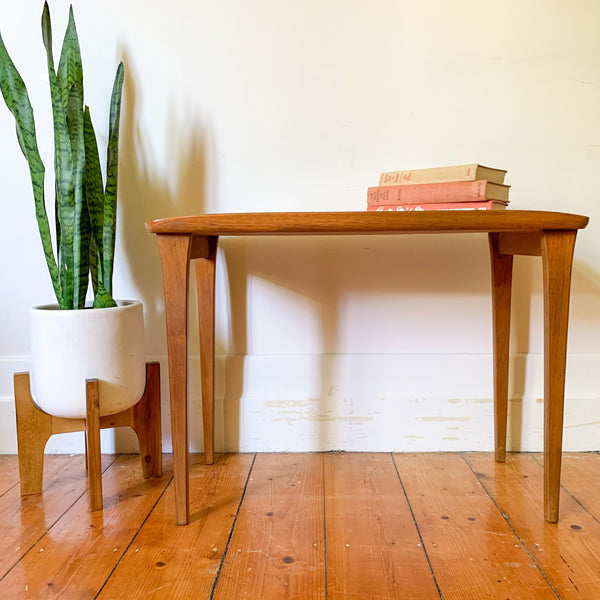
(436, 193)
(484, 205)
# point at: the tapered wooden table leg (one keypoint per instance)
(175, 259)
(205, 286)
(92, 443)
(557, 259)
(502, 267)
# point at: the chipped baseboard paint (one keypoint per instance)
(397, 403)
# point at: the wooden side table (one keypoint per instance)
(550, 235)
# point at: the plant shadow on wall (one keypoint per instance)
(361, 299)
(146, 195)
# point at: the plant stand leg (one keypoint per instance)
(145, 421)
(34, 429)
(92, 443)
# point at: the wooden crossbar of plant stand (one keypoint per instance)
(34, 428)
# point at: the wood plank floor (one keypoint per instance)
(305, 526)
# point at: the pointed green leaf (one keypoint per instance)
(81, 221)
(93, 182)
(78, 178)
(63, 171)
(16, 97)
(70, 69)
(47, 28)
(112, 169)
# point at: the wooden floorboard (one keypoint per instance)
(581, 479)
(278, 544)
(79, 551)
(169, 561)
(9, 473)
(568, 553)
(473, 551)
(454, 526)
(370, 526)
(25, 520)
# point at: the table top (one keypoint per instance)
(363, 222)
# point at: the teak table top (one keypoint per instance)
(363, 222)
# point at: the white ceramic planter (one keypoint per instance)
(70, 346)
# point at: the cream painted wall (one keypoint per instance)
(356, 344)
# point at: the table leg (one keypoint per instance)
(502, 267)
(557, 260)
(175, 259)
(205, 287)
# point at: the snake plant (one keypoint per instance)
(85, 207)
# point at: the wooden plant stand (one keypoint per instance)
(34, 428)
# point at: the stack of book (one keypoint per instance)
(463, 187)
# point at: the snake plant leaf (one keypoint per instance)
(16, 97)
(94, 265)
(95, 204)
(85, 210)
(94, 188)
(63, 171)
(81, 221)
(103, 299)
(56, 221)
(47, 28)
(70, 68)
(110, 194)
(85, 233)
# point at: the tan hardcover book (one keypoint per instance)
(433, 193)
(441, 174)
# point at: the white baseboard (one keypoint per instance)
(357, 403)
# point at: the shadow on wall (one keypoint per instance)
(401, 278)
(325, 270)
(405, 274)
(584, 321)
(144, 195)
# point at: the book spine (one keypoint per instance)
(442, 174)
(436, 174)
(427, 193)
(483, 205)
